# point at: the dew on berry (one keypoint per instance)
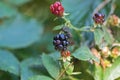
(64, 43)
(67, 43)
(62, 36)
(58, 42)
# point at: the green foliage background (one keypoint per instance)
(26, 31)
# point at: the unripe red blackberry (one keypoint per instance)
(65, 54)
(57, 9)
(99, 18)
(61, 42)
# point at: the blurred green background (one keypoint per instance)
(26, 29)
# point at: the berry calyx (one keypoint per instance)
(99, 18)
(66, 56)
(57, 9)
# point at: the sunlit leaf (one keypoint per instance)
(83, 53)
(96, 71)
(113, 72)
(68, 67)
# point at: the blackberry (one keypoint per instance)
(99, 18)
(61, 42)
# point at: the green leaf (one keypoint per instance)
(51, 65)
(55, 55)
(83, 53)
(8, 62)
(20, 33)
(69, 68)
(6, 10)
(98, 35)
(58, 27)
(96, 71)
(17, 2)
(116, 33)
(31, 67)
(113, 72)
(81, 10)
(38, 77)
(108, 36)
(81, 13)
(117, 10)
(110, 73)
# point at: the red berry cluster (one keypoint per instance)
(99, 18)
(57, 9)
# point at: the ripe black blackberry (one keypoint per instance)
(61, 42)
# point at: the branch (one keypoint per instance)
(100, 6)
(116, 44)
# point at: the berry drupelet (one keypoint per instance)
(57, 9)
(61, 41)
(99, 18)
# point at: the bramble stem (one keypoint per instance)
(100, 6)
(62, 73)
(73, 27)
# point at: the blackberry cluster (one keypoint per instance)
(61, 42)
(99, 18)
(57, 9)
